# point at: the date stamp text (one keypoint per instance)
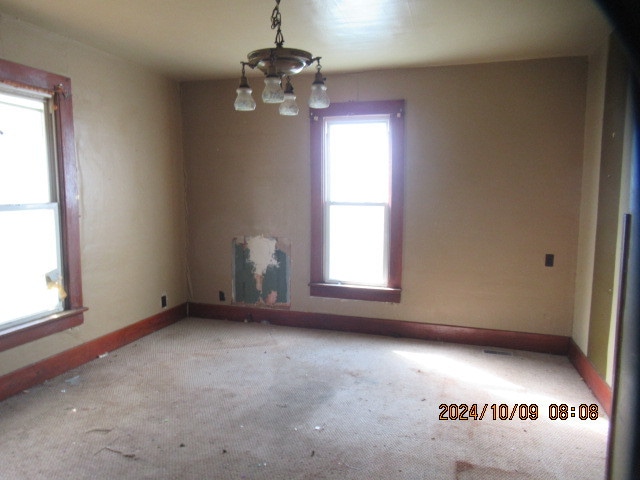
(517, 411)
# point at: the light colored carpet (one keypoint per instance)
(205, 399)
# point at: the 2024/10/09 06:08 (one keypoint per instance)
(518, 411)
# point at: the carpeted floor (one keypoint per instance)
(205, 399)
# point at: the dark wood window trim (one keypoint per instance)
(318, 286)
(59, 87)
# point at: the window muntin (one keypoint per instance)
(357, 179)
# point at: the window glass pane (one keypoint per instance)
(358, 160)
(357, 244)
(27, 255)
(24, 155)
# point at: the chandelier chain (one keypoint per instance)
(276, 22)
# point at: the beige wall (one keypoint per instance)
(604, 203)
(127, 125)
(494, 164)
(610, 203)
(589, 204)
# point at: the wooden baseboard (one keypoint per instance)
(601, 390)
(34, 374)
(533, 342)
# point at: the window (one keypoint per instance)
(39, 244)
(357, 151)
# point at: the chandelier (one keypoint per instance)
(278, 64)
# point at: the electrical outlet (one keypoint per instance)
(163, 300)
(548, 260)
(221, 296)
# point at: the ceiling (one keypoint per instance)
(207, 39)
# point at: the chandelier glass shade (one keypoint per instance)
(319, 97)
(288, 106)
(244, 101)
(276, 64)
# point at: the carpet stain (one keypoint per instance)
(469, 471)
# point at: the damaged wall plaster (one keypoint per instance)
(261, 271)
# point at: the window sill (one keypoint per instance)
(41, 327)
(355, 292)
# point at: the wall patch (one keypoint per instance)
(261, 271)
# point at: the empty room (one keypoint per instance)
(409, 254)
